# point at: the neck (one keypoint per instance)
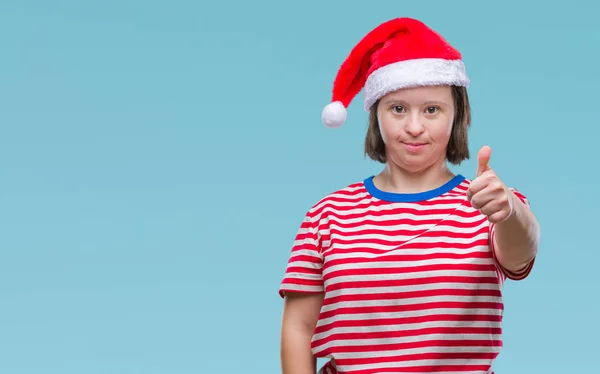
(398, 180)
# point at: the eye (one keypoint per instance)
(432, 110)
(398, 109)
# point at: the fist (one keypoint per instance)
(487, 193)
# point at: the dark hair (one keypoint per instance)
(458, 146)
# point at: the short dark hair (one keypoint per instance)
(458, 146)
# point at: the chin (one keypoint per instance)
(413, 164)
(413, 168)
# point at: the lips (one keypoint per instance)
(414, 147)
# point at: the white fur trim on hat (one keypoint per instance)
(413, 73)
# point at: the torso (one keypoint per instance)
(410, 282)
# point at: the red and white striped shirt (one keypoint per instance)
(410, 281)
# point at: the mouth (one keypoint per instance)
(414, 147)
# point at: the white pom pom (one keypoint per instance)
(334, 114)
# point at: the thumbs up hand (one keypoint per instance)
(487, 193)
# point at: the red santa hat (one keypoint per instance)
(399, 53)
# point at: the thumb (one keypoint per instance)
(483, 159)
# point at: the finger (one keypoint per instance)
(477, 185)
(499, 216)
(490, 208)
(481, 199)
(483, 159)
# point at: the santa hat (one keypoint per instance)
(397, 54)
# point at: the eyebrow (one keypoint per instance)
(436, 102)
(392, 100)
(430, 102)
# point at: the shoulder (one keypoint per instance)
(343, 198)
(520, 195)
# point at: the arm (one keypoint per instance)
(515, 232)
(300, 315)
(516, 239)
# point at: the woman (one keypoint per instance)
(403, 272)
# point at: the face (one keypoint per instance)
(415, 125)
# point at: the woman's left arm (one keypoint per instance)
(516, 238)
(515, 229)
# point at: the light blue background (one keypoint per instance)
(157, 159)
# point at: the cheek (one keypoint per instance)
(450, 124)
(389, 128)
(449, 129)
(442, 130)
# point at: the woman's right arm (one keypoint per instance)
(300, 315)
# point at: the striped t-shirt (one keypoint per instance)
(410, 281)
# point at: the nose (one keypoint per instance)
(414, 125)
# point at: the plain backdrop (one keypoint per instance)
(157, 158)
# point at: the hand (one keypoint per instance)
(487, 193)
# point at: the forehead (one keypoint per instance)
(421, 94)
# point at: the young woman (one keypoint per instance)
(403, 272)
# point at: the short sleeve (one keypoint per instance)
(304, 268)
(524, 272)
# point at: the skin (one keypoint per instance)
(517, 229)
(300, 315)
(420, 115)
(408, 117)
